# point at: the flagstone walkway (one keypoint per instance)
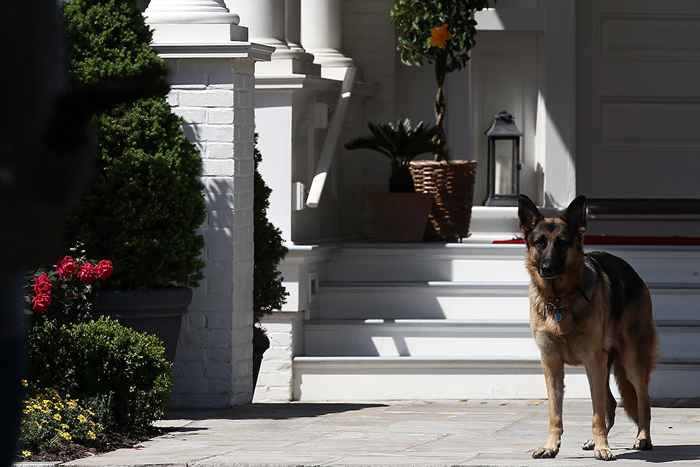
(490, 433)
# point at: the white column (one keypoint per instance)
(322, 35)
(559, 109)
(292, 27)
(265, 21)
(199, 21)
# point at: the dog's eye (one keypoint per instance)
(541, 242)
(562, 243)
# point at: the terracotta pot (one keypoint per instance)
(398, 217)
(153, 311)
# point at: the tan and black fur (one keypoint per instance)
(591, 310)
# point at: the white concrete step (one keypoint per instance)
(350, 379)
(460, 339)
(423, 262)
(471, 301)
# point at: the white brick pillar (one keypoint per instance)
(322, 36)
(212, 88)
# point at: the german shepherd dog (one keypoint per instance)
(588, 309)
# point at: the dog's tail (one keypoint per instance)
(629, 395)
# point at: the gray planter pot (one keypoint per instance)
(153, 311)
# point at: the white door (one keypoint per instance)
(638, 98)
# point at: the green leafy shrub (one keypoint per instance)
(110, 43)
(268, 292)
(400, 142)
(51, 422)
(105, 361)
(146, 204)
(441, 32)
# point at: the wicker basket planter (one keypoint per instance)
(451, 185)
(398, 217)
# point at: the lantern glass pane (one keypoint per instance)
(504, 167)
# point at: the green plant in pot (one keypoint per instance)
(146, 202)
(401, 214)
(441, 33)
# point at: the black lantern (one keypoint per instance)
(504, 161)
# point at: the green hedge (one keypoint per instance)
(146, 203)
(103, 360)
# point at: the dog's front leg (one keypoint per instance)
(553, 367)
(597, 372)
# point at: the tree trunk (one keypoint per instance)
(441, 107)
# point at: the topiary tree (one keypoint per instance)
(268, 292)
(441, 32)
(146, 203)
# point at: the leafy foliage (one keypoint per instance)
(268, 292)
(401, 142)
(415, 21)
(110, 43)
(50, 422)
(66, 291)
(103, 360)
(146, 203)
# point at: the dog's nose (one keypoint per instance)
(546, 270)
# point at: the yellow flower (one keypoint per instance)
(46, 402)
(82, 418)
(64, 427)
(26, 454)
(57, 417)
(65, 435)
(72, 404)
(439, 36)
(91, 435)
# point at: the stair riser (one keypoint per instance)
(676, 343)
(347, 383)
(492, 265)
(506, 305)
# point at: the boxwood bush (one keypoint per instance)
(268, 292)
(103, 360)
(146, 202)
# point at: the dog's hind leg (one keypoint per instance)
(640, 354)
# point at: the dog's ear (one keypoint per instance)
(528, 213)
(575, 215)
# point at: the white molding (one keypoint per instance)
(257, 52)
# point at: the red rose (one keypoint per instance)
(103, 269)
(87, 273)
(42, 284)
(66, 267)
(41, 302)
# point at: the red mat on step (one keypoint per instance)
(623, 240)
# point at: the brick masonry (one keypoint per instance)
(214, 365)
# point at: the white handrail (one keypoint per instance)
(331, 142)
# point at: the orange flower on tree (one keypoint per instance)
(439, 36)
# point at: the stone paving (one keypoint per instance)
(489, 433)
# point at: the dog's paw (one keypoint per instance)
(588, 445)
(544, 453)
(643, 445)
(604, 454)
